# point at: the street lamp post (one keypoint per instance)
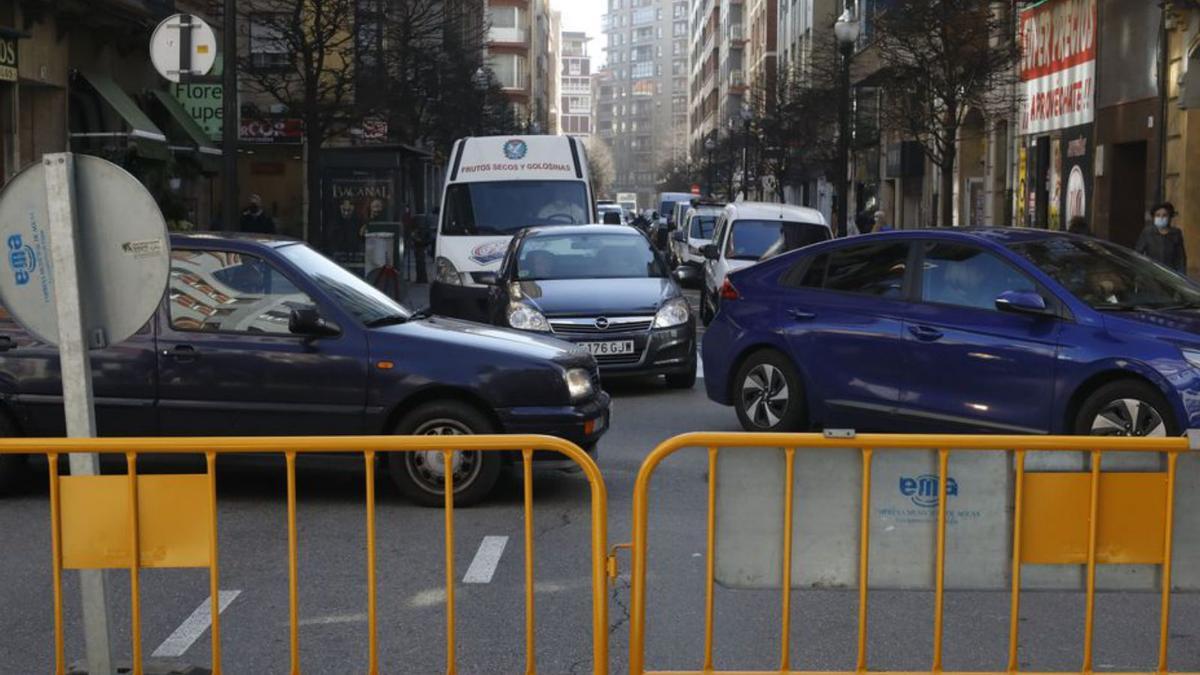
(710, 145)
(747, 116)
(846, 30)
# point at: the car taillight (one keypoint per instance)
(728, 292)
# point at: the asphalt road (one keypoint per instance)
(332, 578)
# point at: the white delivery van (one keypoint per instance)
(495, 186)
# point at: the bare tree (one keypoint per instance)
(943, 58)
(601, 167)
(676, 176)
(795, 125)
(301, 55)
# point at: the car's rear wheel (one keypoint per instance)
(1126, 408)
(421, 476)
(768, 395)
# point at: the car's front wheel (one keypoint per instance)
(1126, 408)
(421, 476)
(768, 395)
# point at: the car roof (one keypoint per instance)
(1003, 236)
(209, 238)
(547, 230)
(771, 211)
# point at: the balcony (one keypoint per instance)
(737, 79)
(736, 33)
(497, 35)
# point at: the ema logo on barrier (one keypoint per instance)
(21, 259)
(515, 149)
(924, 489)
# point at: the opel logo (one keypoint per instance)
(602, 323)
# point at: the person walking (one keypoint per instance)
(881, 222)
(1162, 242)
(254, 219)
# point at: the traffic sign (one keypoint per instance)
(122, 249)
(183, 46)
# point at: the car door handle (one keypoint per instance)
(7, 344)
(181, 353)
(925, 333)
(801, 315)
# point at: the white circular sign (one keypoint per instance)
(122, 246)
(168, 48)
(1076, 194)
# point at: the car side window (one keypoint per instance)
(869, 269)
(719, 233)
(224, 291)
(965, 276)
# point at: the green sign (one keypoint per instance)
(203, 102)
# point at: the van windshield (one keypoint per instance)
(504, 207)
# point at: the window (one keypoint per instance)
(965, 276)
(510, 70)
(268, 41)
(603, 256)
(221, 291)
(702, 226)
(503, 207)
(759, 239)
(871, 269)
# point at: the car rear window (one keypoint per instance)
(759, 239)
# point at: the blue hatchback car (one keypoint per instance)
(972, 331)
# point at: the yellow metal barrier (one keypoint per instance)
(1124, 527)
(171, 521)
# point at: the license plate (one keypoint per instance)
(609, 348)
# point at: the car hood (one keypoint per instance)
(450, 334)
(593, 297)
(1184, 321)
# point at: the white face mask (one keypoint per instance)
(1161, 222)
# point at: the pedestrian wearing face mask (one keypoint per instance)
(1163, 242)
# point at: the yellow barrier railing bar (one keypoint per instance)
(1014, 618)
(710, 559)
(214, 577)
(56, 555)
(293, 565)
(1168, 546)
(530, 617)
(135, 587)
(789, 496)
(866, 445)
(448, 510)
(939, 598)
(864, 560)
(372, 599)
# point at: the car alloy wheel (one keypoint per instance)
(428, 468)
(765, 395)
(1128, 417)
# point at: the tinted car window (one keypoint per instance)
(871, 269)
(755, 239)
(587, 256)
(966, 276)
(503, 207)
(702, 226)
(222, 291)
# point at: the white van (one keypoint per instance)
(496, 186)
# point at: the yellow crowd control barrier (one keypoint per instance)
(1082, 518)
(174, 524)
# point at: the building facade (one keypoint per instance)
(520, 52)
(575, 83)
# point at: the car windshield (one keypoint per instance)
(758, 239)
(702, 226)
(587, 256)
(365, 302)
(503, 207)
(1109, 277)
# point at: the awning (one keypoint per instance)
(147, 138)
(207, 154)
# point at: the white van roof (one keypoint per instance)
(770, 211)
(493, 158)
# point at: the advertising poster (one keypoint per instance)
(1058, 65)
(1021, 215)
(1077, 174)
(1054, 182)
(351, 203)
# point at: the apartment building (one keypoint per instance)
(575, 85)
(520, 51)
(718, 83)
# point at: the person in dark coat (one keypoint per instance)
(254, 219)
(1162, 242)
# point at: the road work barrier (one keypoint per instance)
(878, 511)
(175, 523)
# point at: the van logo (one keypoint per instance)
(602, 323)
(486, 254)
(21, 259)
(515, 149)
(923, 490)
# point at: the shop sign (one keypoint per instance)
(286, 130)
(1058, 65)
(8, 59)
(203, 102)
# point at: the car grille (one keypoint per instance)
(620, 359)
(587, 326)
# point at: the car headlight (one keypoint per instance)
(1192, 356)
(673, 313)
(524, 317)
(447, 273)
(579, 384)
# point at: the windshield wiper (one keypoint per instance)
(389, 320)
(423, 313)
(1125, 308)
(1182, 305)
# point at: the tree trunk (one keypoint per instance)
(946, 199)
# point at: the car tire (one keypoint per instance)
(683, 380)
(1126, 408)
(706, 314)
(768, 395)
(14, 469)
(419, 475)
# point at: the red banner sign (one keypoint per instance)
(1058, 65)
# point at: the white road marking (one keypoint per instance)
(193, 627)
(699, 369)
(334, 619)
(486, 558)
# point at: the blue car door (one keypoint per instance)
(844, 320)
(972, 367)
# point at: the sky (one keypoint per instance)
(585, 15)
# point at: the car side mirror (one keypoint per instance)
(308, 322)
(685, 275)
(487, 278)
(710, 252)
(680, 236)
(1021, 302)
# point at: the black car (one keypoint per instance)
(267, 337)
(604, 288)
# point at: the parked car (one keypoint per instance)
(605, 289)
(984, 331)
(688, 240)
(747, 232)
(259, 336)
(611, 214)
